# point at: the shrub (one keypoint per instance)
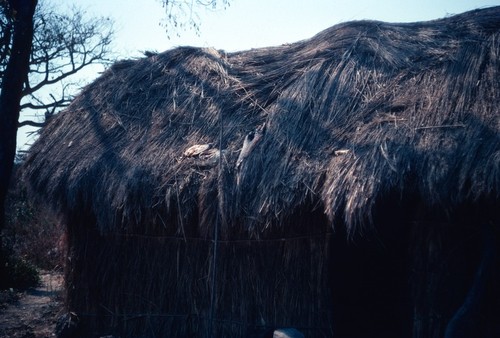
(31, 232)
(19, 274)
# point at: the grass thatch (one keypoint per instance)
(331, 126)
(415, 106)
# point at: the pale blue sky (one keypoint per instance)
(256, 23)
(249, 24)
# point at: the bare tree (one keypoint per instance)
(183, 14)
(13, 77)
(63, 45)
(40, 52)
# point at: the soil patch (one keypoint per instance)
(33, 313)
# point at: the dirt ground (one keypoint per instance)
(33, 313)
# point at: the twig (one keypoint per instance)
(442, 126)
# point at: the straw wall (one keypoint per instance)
(143, 286)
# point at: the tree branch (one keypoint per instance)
(62, 45)
(57, 104)
(31, 123)
(46, 81)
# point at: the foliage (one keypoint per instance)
(30, 232)
(8, 297)
(20, 275)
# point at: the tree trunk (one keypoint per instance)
(14, 78)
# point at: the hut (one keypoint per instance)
(346, 185)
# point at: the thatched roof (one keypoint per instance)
(361, 111)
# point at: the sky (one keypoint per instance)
(257, 23)
(247, 24)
